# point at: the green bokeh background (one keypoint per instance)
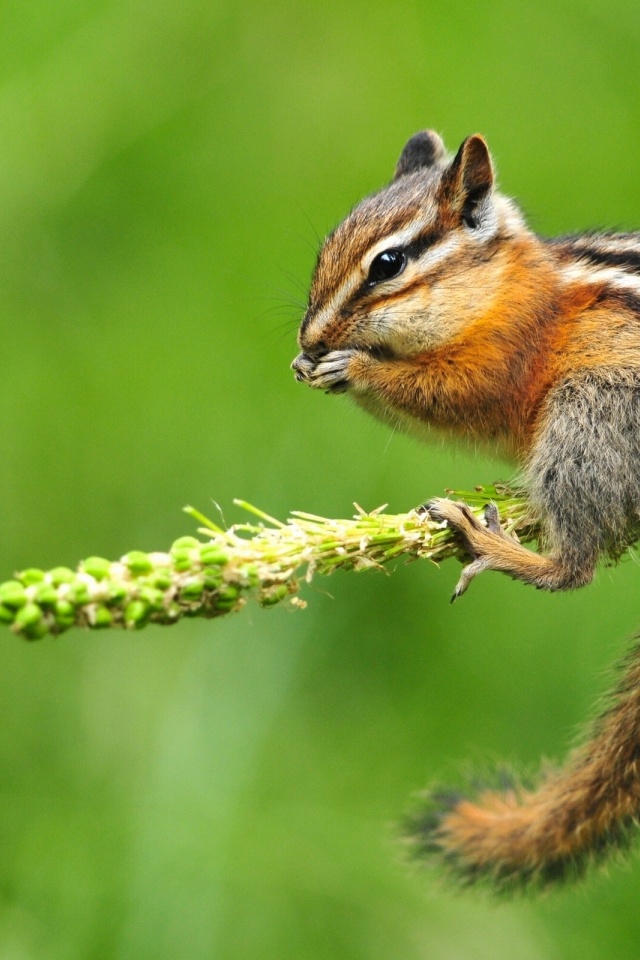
(228, 790)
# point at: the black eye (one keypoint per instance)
(386, 266)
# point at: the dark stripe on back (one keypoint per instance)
(599, 249)
(628, 260)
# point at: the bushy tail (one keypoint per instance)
(515, 837)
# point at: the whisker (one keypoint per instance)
(313, 228)
(296, 281)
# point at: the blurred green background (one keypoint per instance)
(229, 790)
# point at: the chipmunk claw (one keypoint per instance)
(492, 519)
(468, 573)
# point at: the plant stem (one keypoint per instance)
(214, 576)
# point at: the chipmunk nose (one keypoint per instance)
(313, 351)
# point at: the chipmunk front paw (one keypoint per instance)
(327, 372)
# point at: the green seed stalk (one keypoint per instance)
(265, 559)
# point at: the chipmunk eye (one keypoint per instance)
(386, 266)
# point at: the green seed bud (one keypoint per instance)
(28, 615)
(228, 592)
(274, 596)
(269, 601)
(102, 616)
(135, 613)
(173, 612)
(35, 631)
(227, 598)
(7, 615)
(212, 581)
(192, 591)
(30, 576)
(61, 575)
(97, 567)
(185, 543)
(154, 598)
(250, 573)
(12, 594)
(79, 593)
(225, 606)
(213, 556)
(161, 578)
(116, 592)
(138, 562)
(65, 610)
(181, 560)
(46, 595)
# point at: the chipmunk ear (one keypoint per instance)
(424, 149)
(469, 179)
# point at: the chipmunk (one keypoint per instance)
(433, 304)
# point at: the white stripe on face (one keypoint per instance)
(345, 290)
(439, 252)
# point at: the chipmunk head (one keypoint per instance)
(385, 278)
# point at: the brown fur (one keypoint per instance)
(547, 834)
(486, 331)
